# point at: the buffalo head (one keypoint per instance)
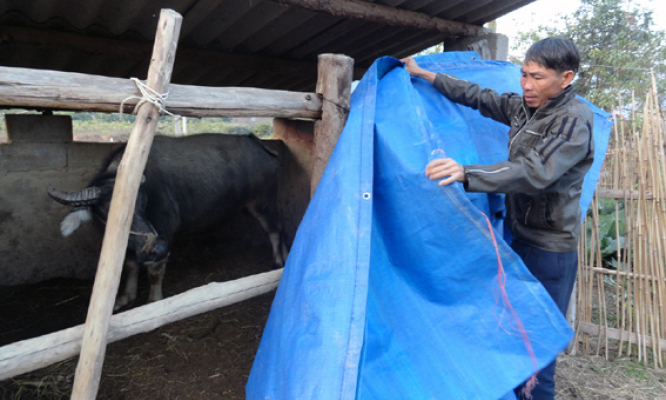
(144, 243)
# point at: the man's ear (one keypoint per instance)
(567, 77)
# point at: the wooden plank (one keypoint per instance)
(386, 15)
(334, 86)
(22, 87)
(29, 355)
(107, 279)
(615, 334)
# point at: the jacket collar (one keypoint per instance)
(554, 102)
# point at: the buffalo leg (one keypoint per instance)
(155, 277)
(131, 283)
(273, 235)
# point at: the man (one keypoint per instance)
(550, 151)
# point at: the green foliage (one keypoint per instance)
(619, 48)
(114, 125)
(263, 130)
(609, 241)
(438, 48)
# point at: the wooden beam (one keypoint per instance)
(107, 278)
(23, 87)
(334, 86)
(29, 355)
(387, 15)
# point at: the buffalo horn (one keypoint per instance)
(85, 197)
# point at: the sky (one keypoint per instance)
(547, 12)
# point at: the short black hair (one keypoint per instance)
(555, 53)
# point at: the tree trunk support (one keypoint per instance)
(334, 87)
(107, 280)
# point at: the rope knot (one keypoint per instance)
(148, 95)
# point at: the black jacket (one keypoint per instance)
(550, 151)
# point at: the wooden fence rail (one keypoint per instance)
(23, 87)
(31, 354)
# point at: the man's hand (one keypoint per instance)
(414, 70)
(443, 168)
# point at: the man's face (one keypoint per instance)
(540, 83)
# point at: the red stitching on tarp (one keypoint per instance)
(501, 281)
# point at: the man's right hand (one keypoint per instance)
(445, 168)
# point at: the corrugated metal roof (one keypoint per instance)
(257, 43)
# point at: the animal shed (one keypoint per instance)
(259, 284)
(70, 91)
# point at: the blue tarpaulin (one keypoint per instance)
(395, 287)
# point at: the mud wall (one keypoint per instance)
(40, 149)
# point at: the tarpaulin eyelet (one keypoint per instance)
(366, 196)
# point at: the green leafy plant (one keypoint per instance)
(608, 223)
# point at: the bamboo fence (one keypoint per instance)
(621, 294)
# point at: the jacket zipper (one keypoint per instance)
(527, 213)
(523, 128)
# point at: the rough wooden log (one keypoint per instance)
(29, 355)
(334, 86)
(130, 170)
(373, 12)
(23, 87)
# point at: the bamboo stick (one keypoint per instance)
(592, 329)
(607, 271)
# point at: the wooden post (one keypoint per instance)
(334, 86)
(107, 280)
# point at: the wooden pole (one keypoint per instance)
(334, 86)
(93, 349)
(29, 355)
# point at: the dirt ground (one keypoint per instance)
(210, 356)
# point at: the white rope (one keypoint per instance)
(148, 95)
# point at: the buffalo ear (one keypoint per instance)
(74, 220)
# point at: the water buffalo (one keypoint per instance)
(191, 184)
